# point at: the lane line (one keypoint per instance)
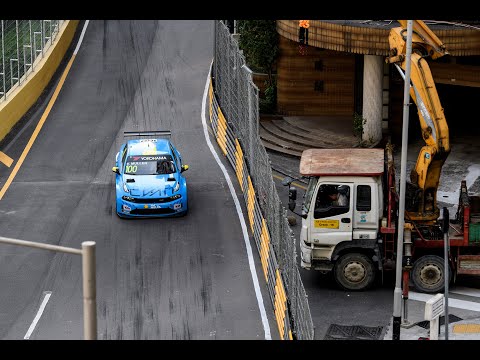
(246, 237)
(293, 183)
(39, 314)
(465, 291)
(454, 303)
(4, 158)
(42, 119)
(80, 40)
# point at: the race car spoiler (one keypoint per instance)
(159, 133)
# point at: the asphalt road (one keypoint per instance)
(184, 278)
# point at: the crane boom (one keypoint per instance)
(421, 194)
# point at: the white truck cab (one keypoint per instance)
(342, 236)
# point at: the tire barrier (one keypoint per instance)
(232, 149)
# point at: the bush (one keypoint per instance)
(358, 122)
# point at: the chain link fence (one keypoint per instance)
(22, 42)
(238, 98)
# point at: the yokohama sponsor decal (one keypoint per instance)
(149, 157)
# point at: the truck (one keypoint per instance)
(358, 241)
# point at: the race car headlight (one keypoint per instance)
(177, 186)
(125, 188)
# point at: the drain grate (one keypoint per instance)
(353, 332)
(451, 319)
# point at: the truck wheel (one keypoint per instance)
(428, 274)
(354, 272)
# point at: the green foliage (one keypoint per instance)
(259, 42)
(269, 103)
(358, 122)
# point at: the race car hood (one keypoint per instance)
(151, 186)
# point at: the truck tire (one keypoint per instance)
(428, 274)
(354, 272)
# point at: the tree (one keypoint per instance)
(259, 42)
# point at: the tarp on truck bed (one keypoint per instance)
(347, 162)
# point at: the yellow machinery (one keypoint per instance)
(421, 194)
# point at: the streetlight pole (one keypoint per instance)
(397, 299)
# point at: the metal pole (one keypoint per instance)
(37, 245)
(397, 299)
(215, 34)
(3, 63)
(89, 291)
(446, 223)
(250, 113)
(18, 53)
(32, 60)
(42, 29)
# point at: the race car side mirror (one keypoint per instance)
(184, 168)
(115, 170)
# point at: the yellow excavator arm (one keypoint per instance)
(421, 196)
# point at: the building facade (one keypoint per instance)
(342, 71)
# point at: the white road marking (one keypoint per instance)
(462, 290)
(251, 263)
(39, 314)
(81, 37)
(454, 303)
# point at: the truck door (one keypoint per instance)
(331, 218)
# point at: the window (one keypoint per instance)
(177, 161)
(364, 198)
(318, 85)
(309, 193)
(331, 200)
(124, 155)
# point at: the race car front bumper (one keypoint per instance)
(161, 207)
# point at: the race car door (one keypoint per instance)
(331, 218)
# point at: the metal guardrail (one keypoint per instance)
(234, 116)
(89, 281)
(22, 42)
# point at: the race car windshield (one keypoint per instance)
(149, 165)
(165, 167)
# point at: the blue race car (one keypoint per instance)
(149, 180)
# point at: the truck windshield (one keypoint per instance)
(309, 194)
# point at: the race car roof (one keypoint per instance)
(345, 162)
(148, 146)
